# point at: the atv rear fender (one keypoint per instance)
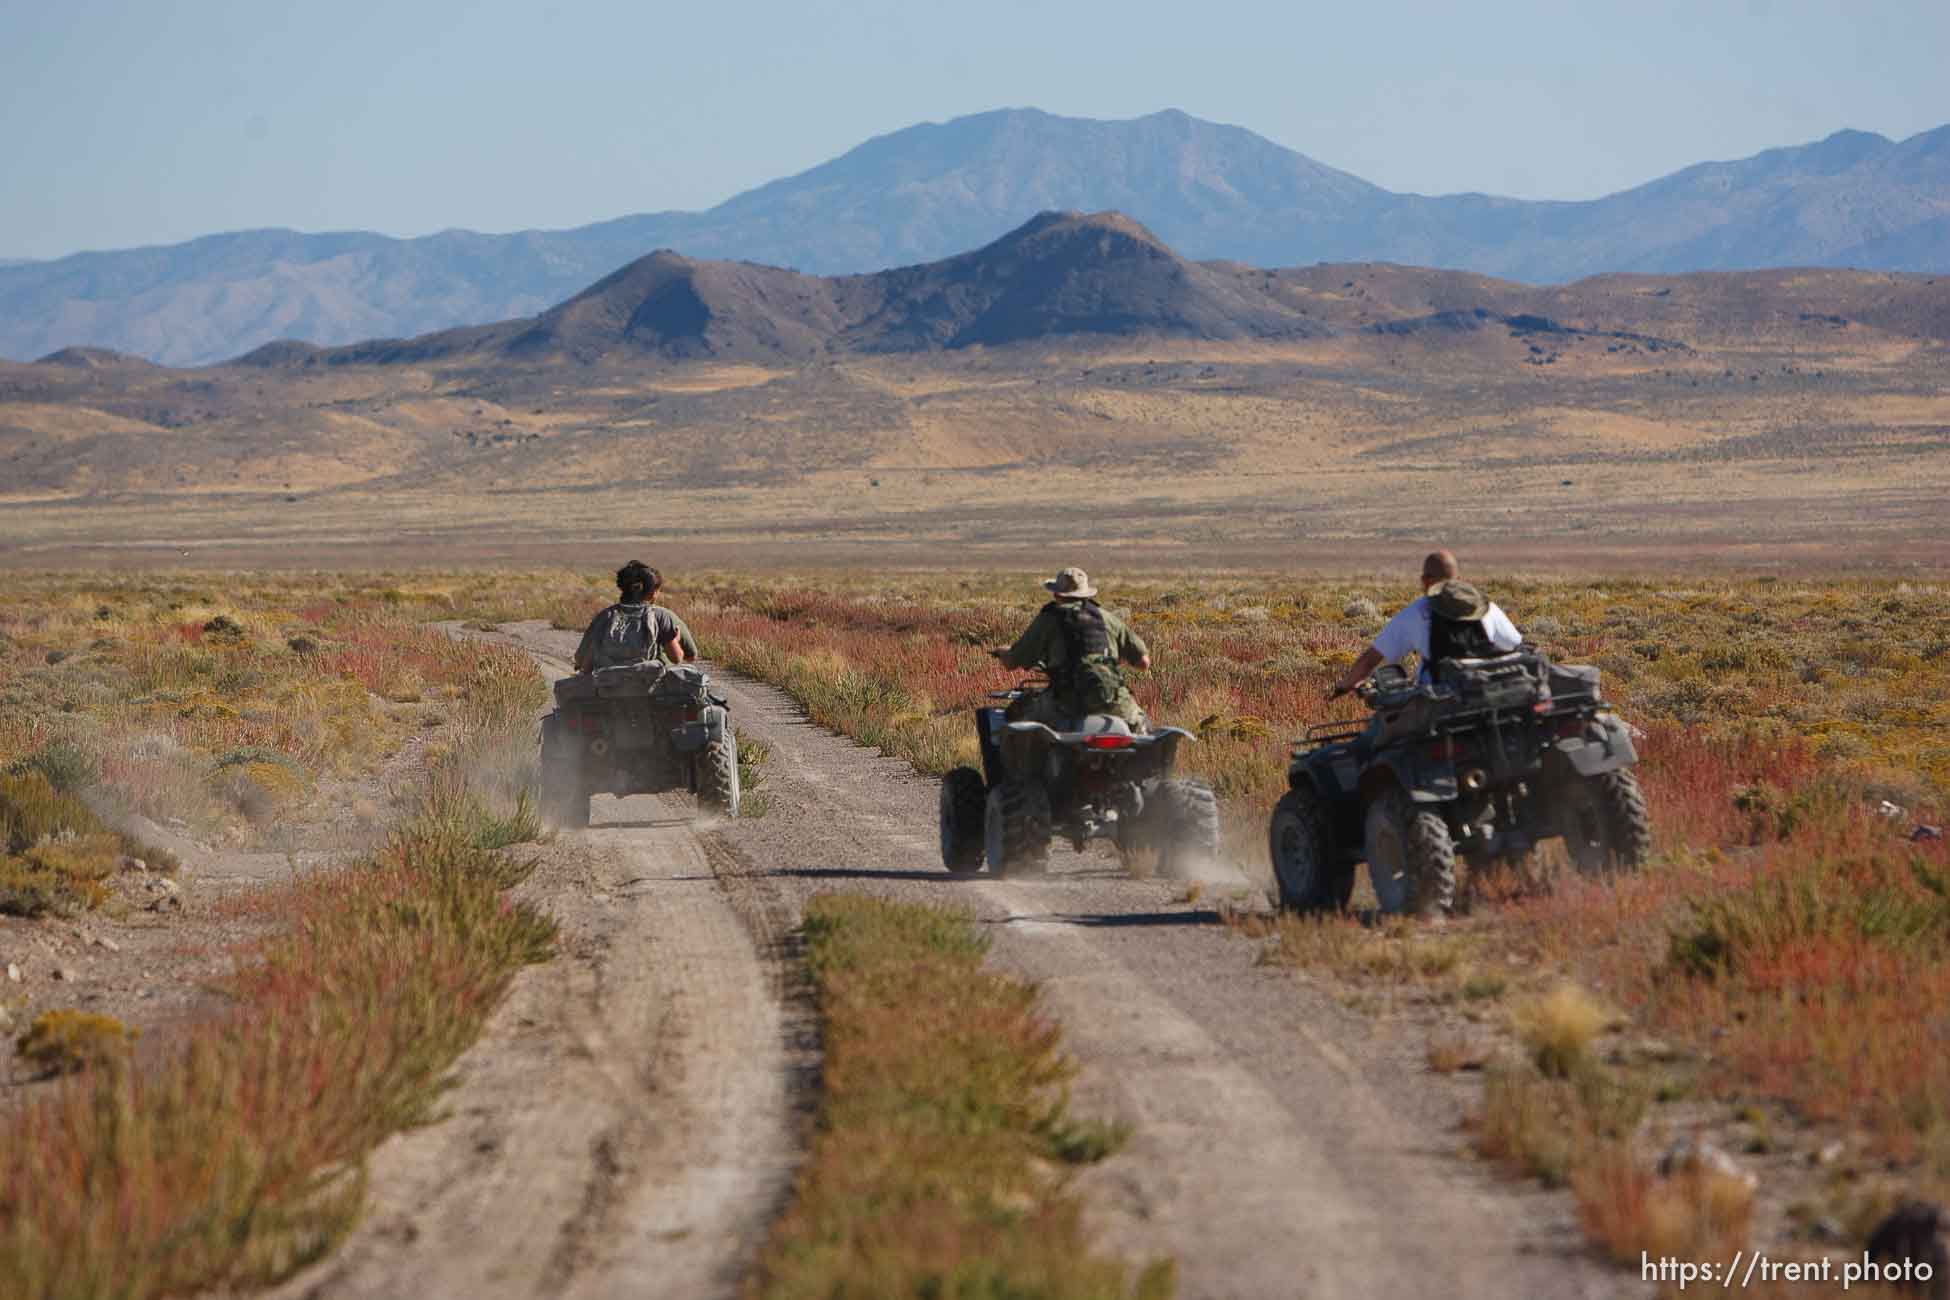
(1605, 746)
(712, 724)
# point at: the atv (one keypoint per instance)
(1099, 781)
(640, 728)
(1494, 757)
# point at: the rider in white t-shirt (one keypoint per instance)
(1409, 630)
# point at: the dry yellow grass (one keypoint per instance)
(1558, 1028)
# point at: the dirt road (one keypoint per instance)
(627, 1127)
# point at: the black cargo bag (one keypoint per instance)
(1574, 683)
(1511, 681)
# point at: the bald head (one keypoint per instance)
(1438, 566)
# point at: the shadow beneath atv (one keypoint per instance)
(1113, 920)
(865, 873)
(654, 824)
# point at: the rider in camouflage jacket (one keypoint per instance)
(1082, 647)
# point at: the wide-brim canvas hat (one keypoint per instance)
(1458, 601)
(1071, 584)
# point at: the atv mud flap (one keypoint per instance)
(693, 736)
(1588, 756)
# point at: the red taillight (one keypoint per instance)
(1443, 750)
(1570, 727)
(1108, 742)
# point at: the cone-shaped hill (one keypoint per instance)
(1062, 273)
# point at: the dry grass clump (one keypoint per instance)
(1558, 1028)
(55, 854)
(63, 1042)
(1547, 1127)
(1395, 953)
(943, 1129)
(1696, 1211)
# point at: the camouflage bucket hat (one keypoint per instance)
(1458, 601)
(1071, 584)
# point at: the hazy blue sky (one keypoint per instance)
(149, 121)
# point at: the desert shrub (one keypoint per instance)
(265, 791)
(1361, 610)
(1558, 1028)
(62, 1042)
(1696, 1211)
(67, 766)
(1880, 896)
(223, 628)
(31, 810)
(245, 755)
(55, 852)
(465, 815)
(28, 890)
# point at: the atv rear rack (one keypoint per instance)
(1327, 733)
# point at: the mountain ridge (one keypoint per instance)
(1059, 274)
(924, 192)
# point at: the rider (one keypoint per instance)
(1081, 646)
(635, 628)
(1451, 619)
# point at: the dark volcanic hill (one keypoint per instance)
(1061, 274)
(928, 191)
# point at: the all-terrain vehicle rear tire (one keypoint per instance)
(1605, 822)
(717, 776)
(565, 801)
(1411, 857)
(964, 807)
(1184, 824)
(1308, 874)
(1016, 828)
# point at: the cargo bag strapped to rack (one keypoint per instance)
(622, 682)
(1515, 680)
(681, 684)
(673, 684)
(1573, 683)
(629, 681)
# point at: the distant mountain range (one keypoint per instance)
(1212, 192)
